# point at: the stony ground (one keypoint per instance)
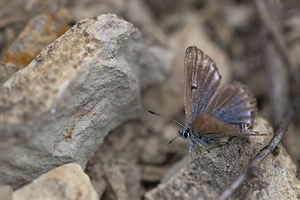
(76, 84)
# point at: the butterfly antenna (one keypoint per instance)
(166, 117)
(172, 140)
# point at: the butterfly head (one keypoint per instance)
(185, 133)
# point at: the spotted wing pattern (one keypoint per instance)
(202, 79)
(234, 104)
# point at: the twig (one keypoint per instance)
(279, 85)
(276, 36)
(278, 73)
(253, 165)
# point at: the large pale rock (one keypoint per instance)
(6, 71)
(135, 11)
(116, 179)
(60, 107)
(216, 168)
(65, 182)
(39, 32)
(5, 192)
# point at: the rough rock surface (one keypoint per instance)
(135, 11)
(116, 180)
(60, 107)
(215, 169)
(6, 71)
(5, 192)
(64, 182)
(39, 32)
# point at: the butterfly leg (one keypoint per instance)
(193, 143)
(191, 148)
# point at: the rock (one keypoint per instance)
(6, 71)
(138, 12)
(60, 107)
(176, 167)
(216, 168)
(152, 174)
(195, 28)
(64, 182)
(135, 11)
(160, 8)
(116, 179)
(152, 65)
(38, 33)
(238, 16)
(5, 192)
(139, 153)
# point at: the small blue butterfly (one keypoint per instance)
(211, 114)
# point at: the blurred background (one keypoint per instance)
(254, 42)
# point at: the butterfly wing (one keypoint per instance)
(207, 125)
(234, 104)
(202, 79)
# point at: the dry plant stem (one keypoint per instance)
(278, 81)
(276, 37)
(277, 72)
(253, 165)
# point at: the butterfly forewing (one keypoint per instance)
(234, 104)
(202, 79)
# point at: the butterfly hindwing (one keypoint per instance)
(234, 104)
(202, 79)
(207, 125)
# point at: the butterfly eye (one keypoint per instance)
(186, 134)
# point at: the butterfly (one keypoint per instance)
(212, 113)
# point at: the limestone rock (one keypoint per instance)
(60, 107)
(116, 179)
(135, 11)
(64, 182)
(39, 32)
(5, 192)
(6, 71)
(125, 165)
(215, 169)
